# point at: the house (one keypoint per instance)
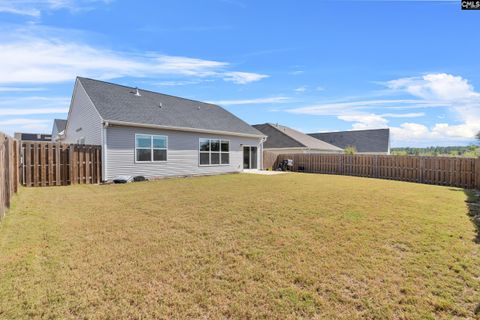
(32, 136)
(365, 141)
(58, 129)
(282, 139)
(157, 135)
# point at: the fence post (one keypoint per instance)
(72, 168)
(477, 173)
(421, 167)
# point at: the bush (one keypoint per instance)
(351, 150)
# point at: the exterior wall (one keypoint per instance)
(83, 119)
(299, 150)
(54, 132)
(182, 154)
(374, 153)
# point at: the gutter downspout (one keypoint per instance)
(261, 151)
(104, 151)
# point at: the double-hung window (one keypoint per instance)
(150, 148)
(214, 152)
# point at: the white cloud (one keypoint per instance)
(404, 115)
(177, 82)
(18, 89)
(301, 89)
(35, 60)
(28, 111)
(8, 8)
(243, 77)
(21, 121)
(34, 8)
(365, 121)
(440, 131)
(437, 90)
(37, 125)
(375, 121)
(252, 101)
(297, 72)
(438, 86)
(349, 107)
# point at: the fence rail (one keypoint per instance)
(446, 171)
(9, 156)
(54, 164)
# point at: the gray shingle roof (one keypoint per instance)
(284, 137)
(363, 140)
(119, 103)
(61, 124)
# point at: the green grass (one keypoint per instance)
(240, 246)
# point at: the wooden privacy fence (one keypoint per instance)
(446, 171)
(9, 171)
(54, 164)
(269, 160)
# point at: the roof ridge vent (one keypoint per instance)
(137, 93)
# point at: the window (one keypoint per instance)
(150, 148)
(214, 152)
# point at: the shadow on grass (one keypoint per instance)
(473, 203)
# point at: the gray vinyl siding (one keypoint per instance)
(300, 150)
(83, 119)
(182, 154)
(54, 132)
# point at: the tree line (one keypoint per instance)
(451, 151)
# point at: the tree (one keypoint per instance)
(478, 135)
(351, 150)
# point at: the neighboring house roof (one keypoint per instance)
(284, 137)
(33, 136)
(377, 140)
(60, 124)
(120, 103)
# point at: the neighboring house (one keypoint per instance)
(33, 136)
(283, 139)
(365, 141)
(58, 129)
(156, 135)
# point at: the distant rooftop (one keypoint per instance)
(374, 141)
(33, 136)
(61, 124)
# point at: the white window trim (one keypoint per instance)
(210, 153)
(151, 147)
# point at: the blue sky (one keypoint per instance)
(312, 65)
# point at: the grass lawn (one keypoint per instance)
(240, 246)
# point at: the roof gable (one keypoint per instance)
(60, 124)
(284, 137)
(120, 103)
(276, 138)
